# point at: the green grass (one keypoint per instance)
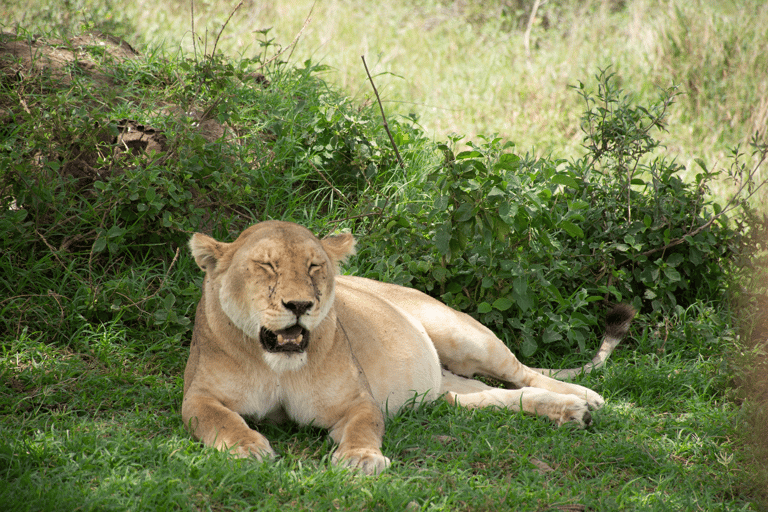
(83, 432)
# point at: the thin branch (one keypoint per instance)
(295, 39)
(216, 42)
(527, 35)
(192, 14)
(337, 191)
(159, 288)
(386, 126)
(23, 103)
(730, 205)
(292, 46)
(50, 248)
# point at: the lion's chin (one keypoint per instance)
(281, 362)
(291, 340)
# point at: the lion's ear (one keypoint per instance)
(339, 247)
(206, 251)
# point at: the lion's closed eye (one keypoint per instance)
(266, 265)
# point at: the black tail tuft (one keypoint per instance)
(618, 319)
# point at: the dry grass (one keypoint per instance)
(460, 67)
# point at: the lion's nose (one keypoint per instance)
(298, 307)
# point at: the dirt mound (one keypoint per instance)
(34, 67)
(59, 58)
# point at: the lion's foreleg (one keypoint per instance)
(209, 421)
(359, 433)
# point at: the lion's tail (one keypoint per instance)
(617, 325)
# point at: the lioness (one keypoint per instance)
(278, 333)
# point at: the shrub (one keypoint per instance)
(104, 175)
(528, 245)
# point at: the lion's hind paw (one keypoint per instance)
(576, 412)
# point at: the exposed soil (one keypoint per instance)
(60, 59)
(40, 65)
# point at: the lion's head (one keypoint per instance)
(275, 283)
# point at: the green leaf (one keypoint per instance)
(521, 294)
(468, 154)
(439, 274)
(577, 204)
(672, 274)
(502, 304)
(507, 212)
(443, 238)
(550, 336)
(495, 192)
(100, 244)
(484, 307)
(675, 259)
(647, 220)
(464, 212)
(528, 346)
(115, 232)
(169, 301)
(564, 179)
(572, 229)
(695, 256)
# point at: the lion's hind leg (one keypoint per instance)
(474, 394)
(468, 348)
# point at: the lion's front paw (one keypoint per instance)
(368, 460)
(256, 446)
(575, 411)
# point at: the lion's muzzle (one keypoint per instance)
(292, 339)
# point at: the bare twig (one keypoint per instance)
(23, 103)
(732, 203)
(292, 46)
(216, 42)
(55, 296)
(527, 35)
(360, 216)
(338, 192)
(50, 248)
(192, 14)
(386, 126)
(160, 287)
(295, 39)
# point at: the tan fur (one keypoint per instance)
(371, 348)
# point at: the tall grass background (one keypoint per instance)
(465, 67)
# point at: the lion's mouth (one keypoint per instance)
(292, 339)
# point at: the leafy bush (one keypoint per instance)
(94, 223)
(95, 218)
(527, 245)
